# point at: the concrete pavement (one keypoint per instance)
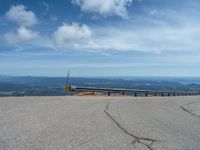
(102, 123)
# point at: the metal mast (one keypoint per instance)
(67, 81)
(67, 85)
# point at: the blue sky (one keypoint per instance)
(100, 38)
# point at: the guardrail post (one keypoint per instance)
(135, 94)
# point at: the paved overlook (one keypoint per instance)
(100, 123)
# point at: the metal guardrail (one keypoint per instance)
(132, 92)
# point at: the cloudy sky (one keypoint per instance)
(100, 37)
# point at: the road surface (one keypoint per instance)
(100, 123)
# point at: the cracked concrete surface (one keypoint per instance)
(148, 142)
(192, 108)
(90, 123)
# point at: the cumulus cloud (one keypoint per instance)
(25, 19)
(72, 35)
(104, 7)
(21, 35)
(130, 38)
(20, 15)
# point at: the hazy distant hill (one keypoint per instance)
(35, 86)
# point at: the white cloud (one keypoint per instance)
(21, 16)
(128, 38)
(105, 7)
(146, 39)
(23, 34)
(24, 19)
(72, 35)
(152, 39)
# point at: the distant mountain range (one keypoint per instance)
(54, 86)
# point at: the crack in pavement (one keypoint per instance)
(186, 110)
(140, 140)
